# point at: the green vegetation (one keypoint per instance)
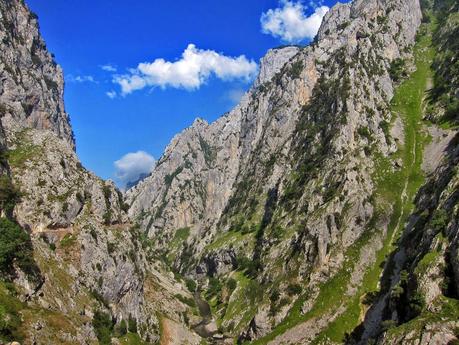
(242, 305)
(170, 177)
(179, 239)
(295, 69)
(394, 194)
(10, 318)
(103, 326)
(9, 195)
(214, 288)
(397, 70)
(210, 153)
(187, 300)
(108, 211)
(68, 241)
(15, 246)
(439, 221)
(121, 328)
(446, 64)
(227, 239)
(105, 329)
(191, 285)
(24, 152)
(294, 289)
(132, 324)
(446, 309)
(132, 339)
(395, 189)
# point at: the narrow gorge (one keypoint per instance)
(323, 209)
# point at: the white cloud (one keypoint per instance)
(193, 69)
(81, 79)
(234, 95)
(111, 94)
(290, 23)
(132, 165)
(108, 68)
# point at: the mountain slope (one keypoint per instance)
(285, 209)
(321, 210)
(73, 269)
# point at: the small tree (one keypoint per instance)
(132, 324)
(121, 328)
(9, 195)
(103, 326)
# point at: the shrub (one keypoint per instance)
(416, 304)
(103, 326)
(186, 300)
(370, 297)
(121, 328)
(191, 285)
(9, 195)
(294, 289)
(132, 324)
(15, 245)
(231, 284)
(214, 287)
(67, 241)
(397, 70)
(10, 316)
(111, 247)
(365, 132)
(388, 324)
(296, 69)
(93, 234)
(274, 297)
(439, 220)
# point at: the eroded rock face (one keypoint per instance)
(273, 62)
(90, 257)
(32, 84)
(273, 209)
(286, 178)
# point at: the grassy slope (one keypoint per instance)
(407, 102)
(398, 188)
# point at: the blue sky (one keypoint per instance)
(86, 35)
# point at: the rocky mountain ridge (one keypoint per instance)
(313, 181)
(283, 187)
(293, 219)
(76, 270)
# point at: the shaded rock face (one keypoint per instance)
(91, 258)
(419, 294)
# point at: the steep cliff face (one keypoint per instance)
(81, 272)
(32, 84)
(296, 216)
(419, 296)
(291, 200)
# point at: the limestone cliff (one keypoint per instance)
(82, 273)
(321, 210)
(282, 195)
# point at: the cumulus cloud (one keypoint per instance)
(111, 94)
(290, 23)
(81, 79)
(108, 68)
(133, 165)
(192, 70)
